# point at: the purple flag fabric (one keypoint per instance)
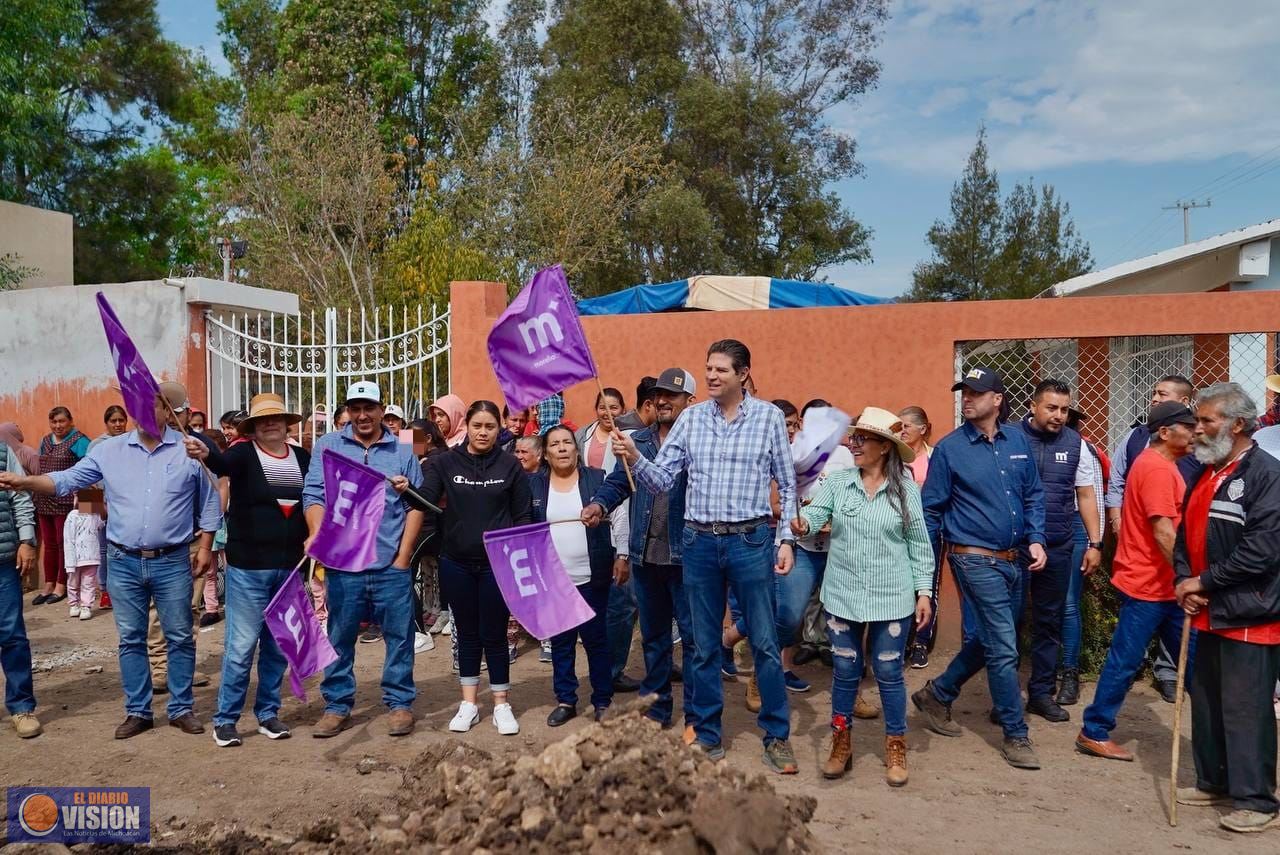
(137, 386)
(354, 499)
(293, 625)
(534, 583)
(823, 429)
(537, 346)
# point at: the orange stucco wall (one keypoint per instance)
(887, 356)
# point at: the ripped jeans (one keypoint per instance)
(888, 642)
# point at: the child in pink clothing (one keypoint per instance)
(84, 541)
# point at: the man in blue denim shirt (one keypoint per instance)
(983, 498)
(384, 589)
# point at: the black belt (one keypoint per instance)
(728, 527)
(150, 553)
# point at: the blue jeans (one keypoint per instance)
(1071, 619)
(1139, 621)
(992, 590)
(387, 595)
(660, 596)
(621, 625)
(133, 583)
(595, 641)
(743, 562)
(15, 650)
(248, 594)
(888, 640)
(1048, 591)
(791, 596)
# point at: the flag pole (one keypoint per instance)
(208, 473)
(418, 497)
(626, 467)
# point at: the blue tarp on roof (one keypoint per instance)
(724, 293)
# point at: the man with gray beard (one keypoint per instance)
(1227, 561)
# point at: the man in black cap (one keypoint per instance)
(984, 501)
(1142, 571)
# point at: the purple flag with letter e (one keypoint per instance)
(137, 386)
(537, 346)
(534, 583)
(355, 496)
(293, 625)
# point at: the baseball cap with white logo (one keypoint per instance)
(676, 380)
(364, 390)
(980, 379)
(394, 410)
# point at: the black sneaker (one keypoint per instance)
(273, 728)
(918, 657)
(225, 735)
(1168, 689)
(370, 635)
(1068, 687)
(210, 618)
(1045, 707)
(626, 684)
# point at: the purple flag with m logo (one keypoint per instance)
(293, 625)
(537, 346)
(355, 496)
(534, 583)
(137, 386)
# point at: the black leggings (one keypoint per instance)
(479, 621)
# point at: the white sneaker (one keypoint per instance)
(75, 611)
(422, 642)
(85, 613)
(441, 620)
(505, 720)
(468, 716)
(447, 628)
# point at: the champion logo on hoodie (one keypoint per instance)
(463, 479)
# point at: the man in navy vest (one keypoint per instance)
(1066, 468)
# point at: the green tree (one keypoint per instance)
(994, 250)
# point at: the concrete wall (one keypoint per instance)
(42, 239)
(887, 356)
(53, 351)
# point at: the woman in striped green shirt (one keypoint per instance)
(879, 576)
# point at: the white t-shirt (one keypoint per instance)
(1268, 440)
(841, 458)
(570, 539)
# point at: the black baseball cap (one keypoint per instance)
(676, 380)
(980, 379)
(1169, 413)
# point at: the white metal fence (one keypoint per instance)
(309, 359)
(1112, 378)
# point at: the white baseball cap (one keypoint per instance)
(364, 390)
(394, 410)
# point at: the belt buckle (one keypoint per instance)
(719, 528)
(149, 553)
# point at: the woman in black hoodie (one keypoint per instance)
(483, 489)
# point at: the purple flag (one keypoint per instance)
(534, 583)
(137, 386)
(823, 429)
(355, 496)
(537, 346)
(293, 625)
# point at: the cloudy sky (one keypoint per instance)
(1123, 106)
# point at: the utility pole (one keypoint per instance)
(1186, 214)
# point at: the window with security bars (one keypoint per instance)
(1112, 378)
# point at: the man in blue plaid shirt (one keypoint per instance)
(734, 447)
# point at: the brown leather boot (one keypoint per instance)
(895, 760)
(841, 759)
(753, 695)
(330, 724)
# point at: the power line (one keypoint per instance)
(1204, 188)
(1187, 207)
(1250, 176)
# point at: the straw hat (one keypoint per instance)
(266, 404)
(1273, 383)
(885, 425)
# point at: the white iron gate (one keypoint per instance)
(309, 359)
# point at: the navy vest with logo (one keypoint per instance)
(1057, 457)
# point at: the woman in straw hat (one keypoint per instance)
(879, 576)
(265, 533)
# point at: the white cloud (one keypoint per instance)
(1060, 84)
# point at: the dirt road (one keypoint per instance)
(962, 797)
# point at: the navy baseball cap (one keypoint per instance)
(980, 379)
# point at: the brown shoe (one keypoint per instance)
(200, 679)
(1107, 749)
(132, 726)
(753, 695)
(187, 723)
(841, 759)
(399, 722)
(864, 709)
(689, 736)
(895, 760)
(159, 684)
(330, 724)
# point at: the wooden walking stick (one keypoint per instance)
(1177, 720)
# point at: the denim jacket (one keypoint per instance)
(615, 491)
(599, 545)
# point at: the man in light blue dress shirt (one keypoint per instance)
(159, 500)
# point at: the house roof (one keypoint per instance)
(1128, 277)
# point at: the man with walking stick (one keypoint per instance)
(1227, 561)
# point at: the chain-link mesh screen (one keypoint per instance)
(1112, 378)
